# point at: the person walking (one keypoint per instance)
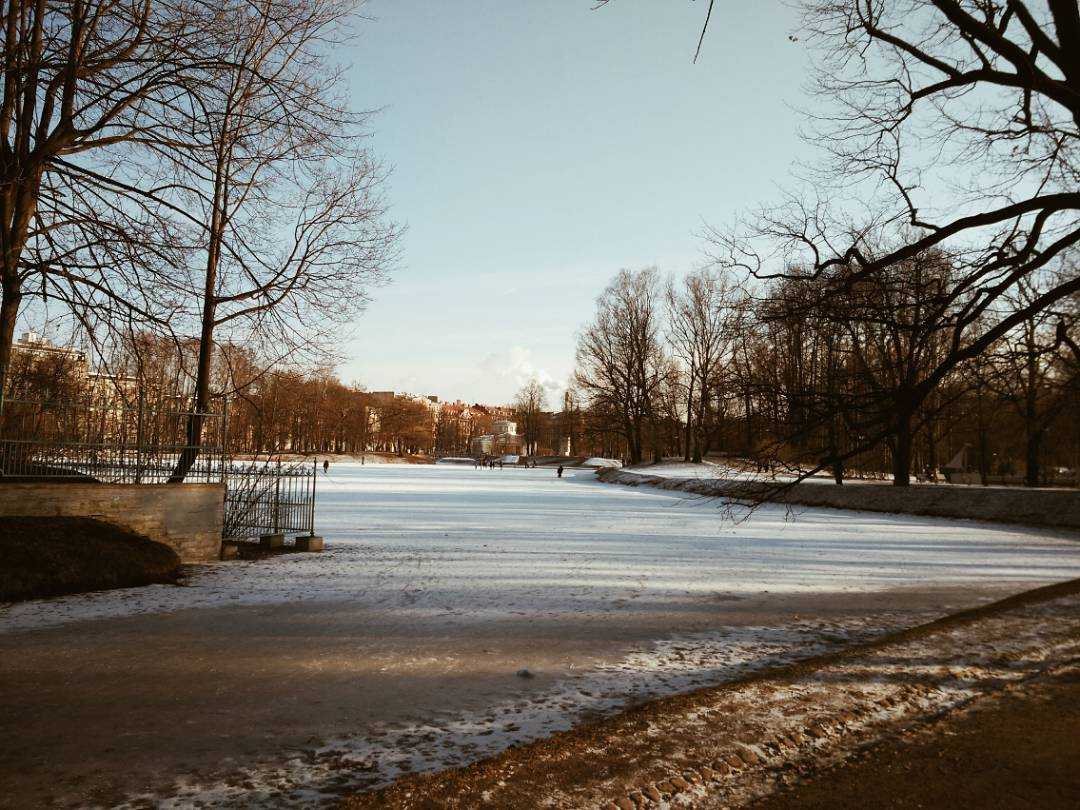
(560, 471)
(325, 466)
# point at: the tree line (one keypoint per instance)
(914, 296)
(786, 378)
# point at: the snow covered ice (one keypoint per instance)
(443, 539)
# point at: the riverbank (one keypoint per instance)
(1056, 508)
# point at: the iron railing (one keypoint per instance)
(107, 440)
(267, 497)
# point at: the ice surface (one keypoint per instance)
(429, 540)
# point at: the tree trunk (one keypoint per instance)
(984, 441)
(688, 436)
(901, 460)
(931, 450)
(1032, 449)
(1032, 430)
(206, 336)
(701, 443)
(201, 406)
(9, 312)
(633, 441)
(654, 437)
(749, 423)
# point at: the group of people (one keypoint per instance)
(492, 463)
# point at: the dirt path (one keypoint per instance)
(739, 743)
(289, 703)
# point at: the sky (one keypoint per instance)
(537, 147)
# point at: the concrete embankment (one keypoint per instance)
(187, 518)
(1035, 507)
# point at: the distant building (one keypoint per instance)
(72, 366)
(483, 445)
(38, 346)
(503, 439)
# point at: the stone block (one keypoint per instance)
(272, 540)
(309, 542)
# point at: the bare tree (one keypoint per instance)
(620, 363)
(909, 91)
(290, 229)
(702, 316)
(529, 405)
(79, 79)
(1024, 369)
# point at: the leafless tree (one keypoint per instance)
(79, 78)
(529, 405)
(956, 124)
(1027, 371)
(620, 362)
(702, 318)
(290, 229)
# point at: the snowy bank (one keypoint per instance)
(1034, 507)
(601, 463)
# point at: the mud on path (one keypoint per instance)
(293, 705)
(740, 743)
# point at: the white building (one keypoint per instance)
(503, 439)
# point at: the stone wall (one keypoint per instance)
(1034, 507)
(186, 517)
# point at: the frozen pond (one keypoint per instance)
(446, 540)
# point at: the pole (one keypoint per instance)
(314, 478)
(140, 436)
(225, 439)
(277, 496)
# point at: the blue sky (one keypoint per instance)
(537, 147)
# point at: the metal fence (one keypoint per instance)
(108, 440)
(267, 497)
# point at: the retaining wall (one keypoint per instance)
(1036, 507)
(186, 517)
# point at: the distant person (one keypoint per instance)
(325, 466)
(560, 471)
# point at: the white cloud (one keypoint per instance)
(516, 366)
